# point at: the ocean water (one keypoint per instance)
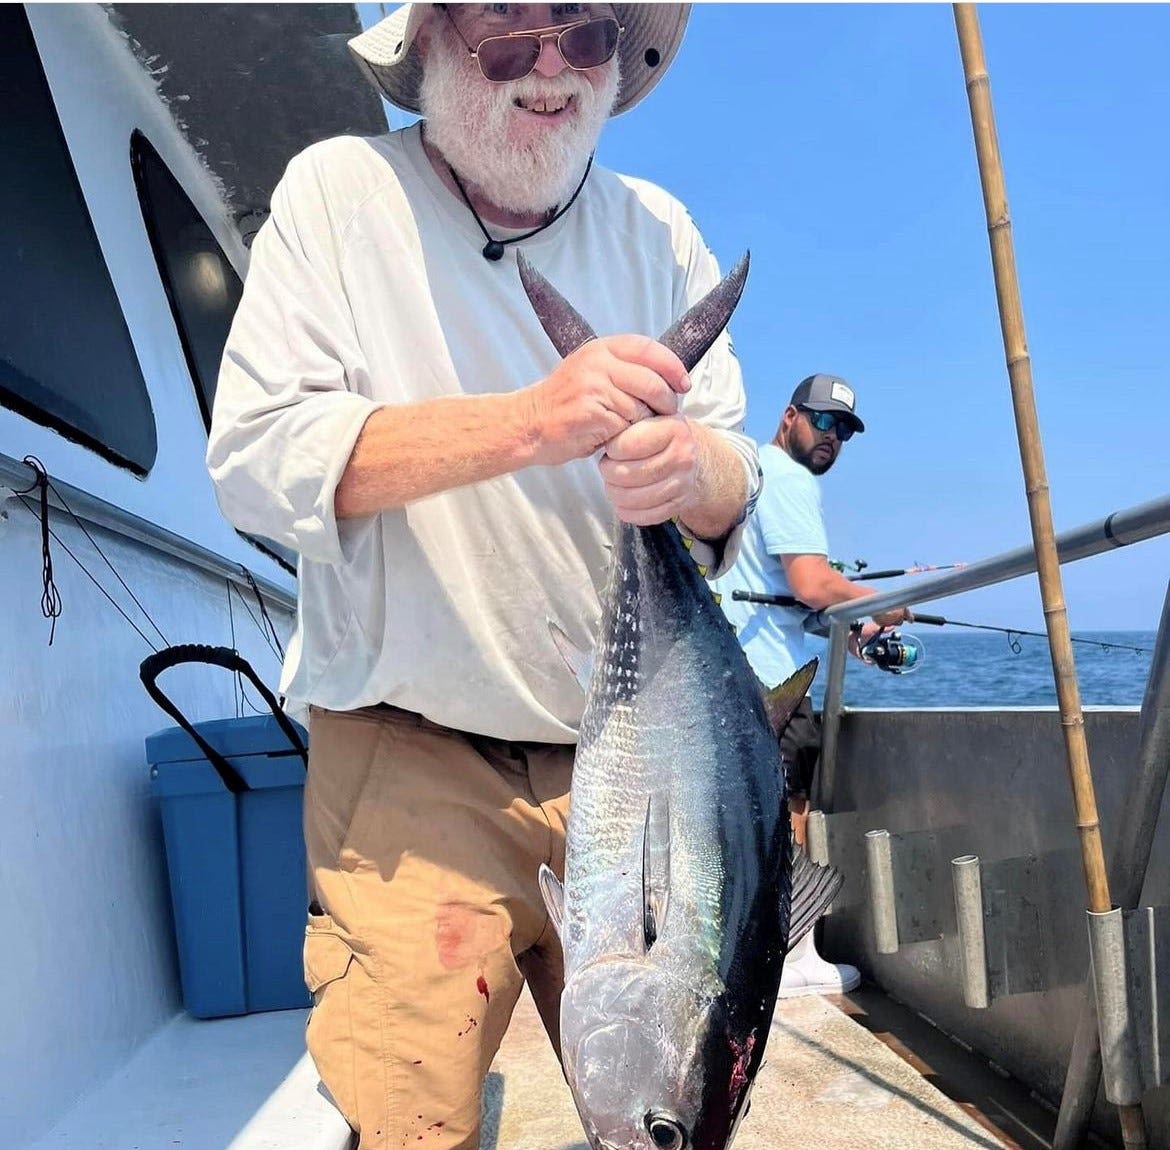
(976, 669)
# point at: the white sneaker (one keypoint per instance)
(805, 972)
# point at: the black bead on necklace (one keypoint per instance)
(494, 249)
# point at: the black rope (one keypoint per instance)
(113, 602)
(51, 604)
(50, 597)
(494, 248)
(37, 466)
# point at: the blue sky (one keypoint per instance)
(835, 142)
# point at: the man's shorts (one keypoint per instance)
(800, 748)
(423, 850)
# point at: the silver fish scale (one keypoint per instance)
(641, 737)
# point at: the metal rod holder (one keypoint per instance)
(826, 776)
(1119, 1055)
(967, 877)
(880, 861)
(816, 837)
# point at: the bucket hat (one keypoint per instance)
(652, 34)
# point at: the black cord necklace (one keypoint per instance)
(494, 249)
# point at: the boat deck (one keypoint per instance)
(827, 1082)
(840, 1074)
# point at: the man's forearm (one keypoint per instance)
(818, 585)
(847, 593)
(830, 587)
(410, 451)
(722, 487)
(834, 589)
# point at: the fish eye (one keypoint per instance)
(666, 1131)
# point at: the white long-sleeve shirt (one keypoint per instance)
(367, 287)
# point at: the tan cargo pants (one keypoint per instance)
(423, 849)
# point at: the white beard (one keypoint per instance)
(469, 120)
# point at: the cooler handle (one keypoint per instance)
(153, 666)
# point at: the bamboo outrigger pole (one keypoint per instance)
(1011, 318)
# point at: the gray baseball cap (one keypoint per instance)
(827, 393)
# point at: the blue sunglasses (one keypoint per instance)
(826, 421)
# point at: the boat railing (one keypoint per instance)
(1109, 1038)
(1120, 529)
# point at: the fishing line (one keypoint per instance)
(938, 621)
(51, 602)
(263, 611)
(255, 621)
(105, 559)
(1013, 632)
(239, 694)
(236, 687)
(238, 680)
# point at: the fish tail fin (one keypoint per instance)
(691, 336)
(814, 886)
(781, 701)
(562, 323)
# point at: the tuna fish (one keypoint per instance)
(677, 905)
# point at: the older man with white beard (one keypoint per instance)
(389, 407)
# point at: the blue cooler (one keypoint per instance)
(230, 794)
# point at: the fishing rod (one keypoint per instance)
(894, 572)
(859, 566)
(769, 600)
(888, 650)
(905, 656)
(1011, 632)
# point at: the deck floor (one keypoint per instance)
(826, 1082)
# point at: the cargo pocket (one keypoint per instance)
(327, 955)
(329, 1034)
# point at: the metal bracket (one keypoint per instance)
(1120, 1066)
(1147, 949)
(907, 899)
(832, 839)
(1027, 925)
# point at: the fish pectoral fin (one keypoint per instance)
(553, 894)
(814, 886)
(655, 870)
(578, 661)
(781, 702)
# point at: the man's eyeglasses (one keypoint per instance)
(826, 421)
(513, 55)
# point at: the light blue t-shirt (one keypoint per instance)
(788, 521)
